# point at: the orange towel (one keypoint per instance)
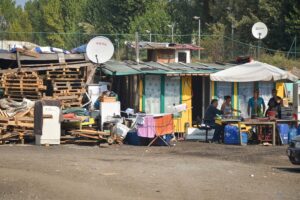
(164, 125)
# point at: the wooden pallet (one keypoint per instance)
(15, 129)
(68, 85)
(19, 85)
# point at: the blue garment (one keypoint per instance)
(97, 105)
(256, 105)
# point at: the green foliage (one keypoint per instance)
(214, 46)
(53, 18)
(113, 16)
(155, 20)
(19, 26)
(8, 10)
(69, 23)
(280, 60)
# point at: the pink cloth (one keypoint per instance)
(147, 130)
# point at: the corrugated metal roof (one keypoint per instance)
(117, 68)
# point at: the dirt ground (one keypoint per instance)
(190, 170)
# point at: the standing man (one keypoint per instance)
(256, 105)
(209, 119)
(274, 103)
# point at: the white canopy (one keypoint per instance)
(253, 71)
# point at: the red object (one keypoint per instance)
(295, 116)
(69, 116)
(271, 114)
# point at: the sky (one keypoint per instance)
(21, 2)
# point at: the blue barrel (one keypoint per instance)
(231, 135)
(298, 132)
(283, 130)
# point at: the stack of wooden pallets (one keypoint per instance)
(16, 128)
(68, 85)
(19, 85)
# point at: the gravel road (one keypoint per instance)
(190, 170)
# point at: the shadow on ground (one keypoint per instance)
(289, 169)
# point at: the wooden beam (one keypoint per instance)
(44, 68)
(18, 59)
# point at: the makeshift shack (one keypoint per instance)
(155, 88)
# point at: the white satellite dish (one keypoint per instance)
(259, 30)
(99, 49)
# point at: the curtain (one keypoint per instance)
(223, 89)
(245, 93)
(152, 94)
(265, 91)
(172, 93)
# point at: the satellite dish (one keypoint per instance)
(99, 49)
(259, 30)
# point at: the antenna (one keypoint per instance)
(99, 50)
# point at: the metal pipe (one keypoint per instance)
(137, 47)
(199, 52)
(232, 34)
(172, 33)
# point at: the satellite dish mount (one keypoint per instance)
(259, 31)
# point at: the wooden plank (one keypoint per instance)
(35, 69)
(92, 132)
(8, 136)
(86, 141)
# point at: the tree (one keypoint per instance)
(73, 14)
(8, 9)
(113, 16)
(35, 12)
(182, 12)
(53, 18)
(20, 26)
(155, 19)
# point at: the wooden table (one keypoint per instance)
(228, 121)
(272, 123)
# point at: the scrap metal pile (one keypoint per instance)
(80, 128)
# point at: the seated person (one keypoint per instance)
(227, 108)
(256, 105)
(209, 119)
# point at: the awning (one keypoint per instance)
(253, 71)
